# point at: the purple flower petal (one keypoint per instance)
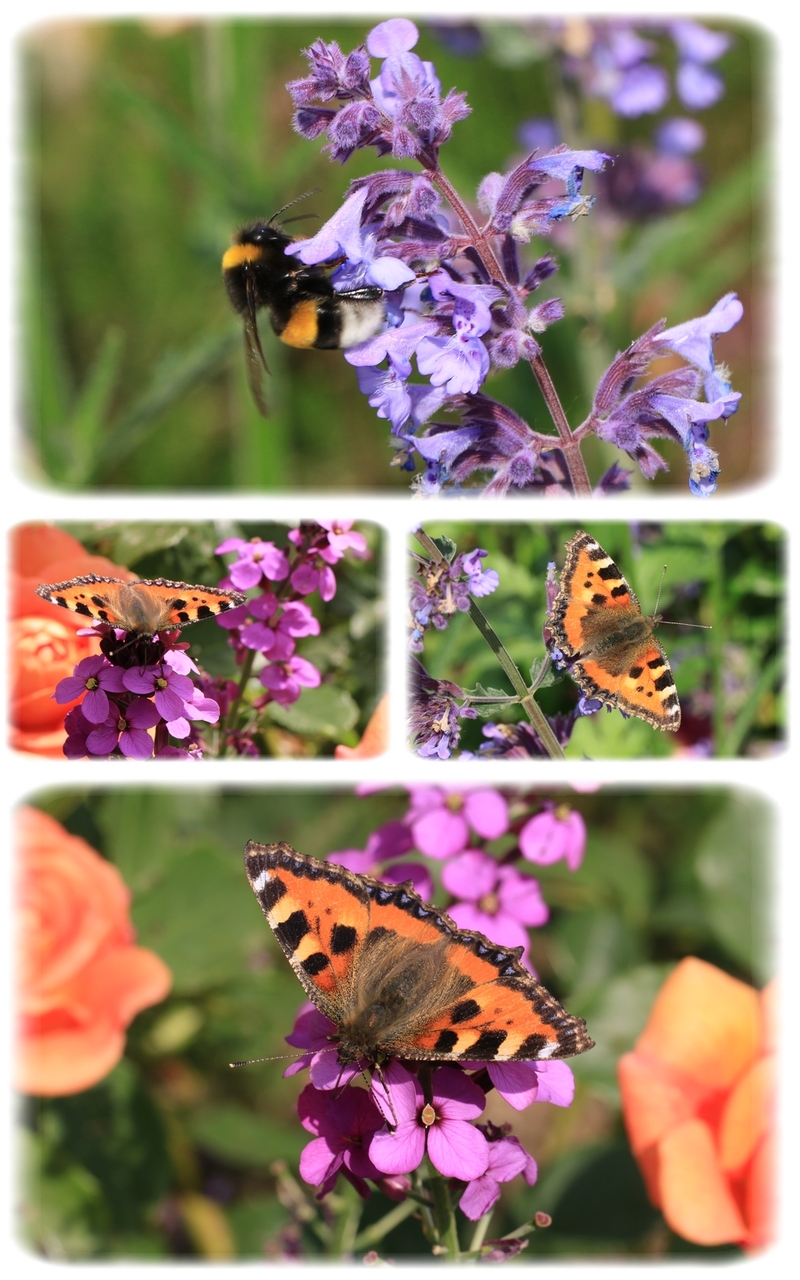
(457, 1149)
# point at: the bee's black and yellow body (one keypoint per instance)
(305, 309)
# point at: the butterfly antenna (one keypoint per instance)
(660, 585)
(277, 1057)
(699, 626)
(388, 1095)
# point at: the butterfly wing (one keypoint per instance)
(144, 607)
(320, 920)
(598, 623)
(166, 605)
(646, 688)
(396, 975)
(92, 597)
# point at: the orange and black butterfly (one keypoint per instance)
(598, 624)
(145, 607)
(397, 977)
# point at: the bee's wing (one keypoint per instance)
(256, 360)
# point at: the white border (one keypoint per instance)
(775, 500)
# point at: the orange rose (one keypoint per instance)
(44, 645)
(81, 978)
(376, 736)
(698, 1096)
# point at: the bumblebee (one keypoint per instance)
(305, 309)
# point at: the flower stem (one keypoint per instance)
(569, 445)
(469, 224)
(479, 1234)
(376, 1232)
(532, 709)
(445, 1217)
(233, 710)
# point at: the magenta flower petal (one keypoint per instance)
(487, 813)
(480, 1196)
(136, 744)
(398, 1152)
(305, 579)
(521, 897)
(457, 1149)
(440, 833)
(556, 1083)
(95, 705)
(471, 875)
(102, 741)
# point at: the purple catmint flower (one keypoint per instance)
(440, 590)
(507, 1159)
(455, 1147)
(680, 136)
(434, 713)
(440, 818)
(552, 835)
(344, 1126)
(95, 677)
(497, 901)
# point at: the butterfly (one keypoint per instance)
(598, 624)
(144, 607)
(396, 976)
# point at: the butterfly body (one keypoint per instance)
(599, 626)
(144, 607)
(396, 976)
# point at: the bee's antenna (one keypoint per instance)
(296, 200)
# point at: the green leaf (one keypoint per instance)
(325, 712)
(616, 1015)
(199, 919)
(240, 1137)
(735, 875)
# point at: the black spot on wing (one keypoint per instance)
(532, 1046)
(315, 963)
(486, 1046)
(290, 932)
(463, 1011)
(609, 572)
(445, 1042)
(343, 939)
(664, 681)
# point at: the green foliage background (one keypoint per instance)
(730, 577)
(174, 1154)
(148, 142)
(348, 651)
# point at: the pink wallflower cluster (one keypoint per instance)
(136, 697)
(266, 629)
(385, 1133)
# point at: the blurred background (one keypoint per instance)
(147, 142)
(730, 679)
(172, 1154)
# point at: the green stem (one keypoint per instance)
(732, 741)
(445, 1217)
(479, 1234)
(570, 446)
(345, 1230)
(233, 710)
(375, 1233)
(532, 709)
